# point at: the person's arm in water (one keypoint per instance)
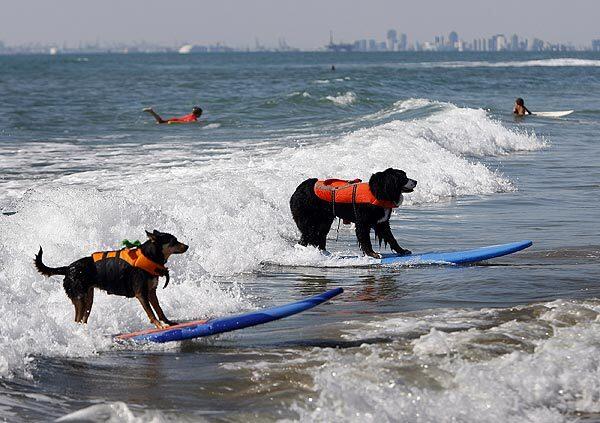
(155, 115)
(527, 110)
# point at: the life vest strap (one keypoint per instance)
(354, 188)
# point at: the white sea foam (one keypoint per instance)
(304, 94)
(116, 412)
(463, 131)
(328, 81)
(503, 365)
(234, 213)
(563, 62)
(344, 99)
(471, 132)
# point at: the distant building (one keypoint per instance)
(536, 45)
(192, 48)
(361, 45)
(403, 43)
(500, 42)
(338, 47)
(595, 45)
(392, 40)
(186, 49)
(453, 39)
(514, 42)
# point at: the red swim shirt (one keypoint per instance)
(184, 119)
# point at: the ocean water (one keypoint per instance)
(514, 339)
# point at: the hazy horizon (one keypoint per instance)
(304, 25)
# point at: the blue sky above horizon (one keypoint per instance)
(304, 24)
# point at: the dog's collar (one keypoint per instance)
(135, 258)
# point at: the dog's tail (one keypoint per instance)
(45, 270)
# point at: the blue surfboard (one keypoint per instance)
(201, 328)
(456, 257)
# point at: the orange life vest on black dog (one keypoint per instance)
(113, 268)
(135, 258)
(348, 192)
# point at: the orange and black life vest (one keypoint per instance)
(114, 268)
(338, 191)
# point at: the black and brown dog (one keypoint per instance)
(315, 206)
(127, 272)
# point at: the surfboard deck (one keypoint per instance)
(202, 328)
(453, 257)
(556, 114)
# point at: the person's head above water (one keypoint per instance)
(520, 101)
(197, 111)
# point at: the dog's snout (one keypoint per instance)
(411, 184)
(184, 248)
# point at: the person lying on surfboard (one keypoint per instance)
(192, 117)
(520, 109)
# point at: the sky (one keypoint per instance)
(303, 23)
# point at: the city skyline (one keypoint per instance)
(397, 41)
(393, 41)
(304, 25)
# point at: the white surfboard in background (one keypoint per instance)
(554, 114)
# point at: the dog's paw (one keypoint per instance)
(161, 325)
(171, 323)
(403, 252)
(374, 255)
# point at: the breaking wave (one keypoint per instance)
(534, 363)
(233, 210)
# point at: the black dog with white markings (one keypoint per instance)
(314, 216)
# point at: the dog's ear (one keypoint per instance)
(152, 236)
(387, 185)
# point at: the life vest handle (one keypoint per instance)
(332, 188)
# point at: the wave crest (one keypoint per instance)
(562, 62)
(343, 99)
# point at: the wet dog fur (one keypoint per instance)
(81, 277)
(314, 216)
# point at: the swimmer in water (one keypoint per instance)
(192, 117)
(520, 109)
